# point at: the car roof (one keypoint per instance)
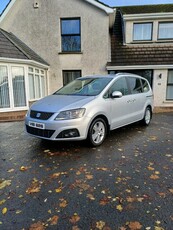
(111, 75)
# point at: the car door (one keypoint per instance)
(119, 107)
(136, 99)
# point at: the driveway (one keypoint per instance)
(124, 184)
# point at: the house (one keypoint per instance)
(142, 43)
(46, 44)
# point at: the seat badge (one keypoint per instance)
(38, 115)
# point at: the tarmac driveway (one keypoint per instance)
(124, 184)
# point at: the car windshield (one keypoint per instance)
(84, 87)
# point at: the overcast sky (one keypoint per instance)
(3, 3)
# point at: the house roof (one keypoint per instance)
(13, 48)
(146, 9)
(136, 54)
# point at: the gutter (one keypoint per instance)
(6, 10)
(24, 62)
(132, 67)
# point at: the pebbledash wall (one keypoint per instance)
(40, 28)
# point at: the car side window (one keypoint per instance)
(119, 85)
(145, 86)
(135, 85)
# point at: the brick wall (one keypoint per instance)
(12, 116)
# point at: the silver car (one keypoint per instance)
(89, 107)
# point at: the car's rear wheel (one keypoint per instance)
(147, 117)
(97, 132)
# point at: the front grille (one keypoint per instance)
(40, 115)
(40, 132)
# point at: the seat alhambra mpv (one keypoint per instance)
(89, 107)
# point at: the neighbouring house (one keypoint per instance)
(46, 44)
(142, 43)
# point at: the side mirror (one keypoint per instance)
(116, 94)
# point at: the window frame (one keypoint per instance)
(169, 84)
(162, 22)
(37, 72)
(143, 40)
(72, 71)
(70, 34)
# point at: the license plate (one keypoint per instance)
(36, 125)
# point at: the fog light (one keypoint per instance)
(68, 133)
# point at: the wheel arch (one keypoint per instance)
(104, 118)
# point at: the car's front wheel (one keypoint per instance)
(147, 117)
(97, 132)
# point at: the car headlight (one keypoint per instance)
(28, 113)
(70, 114)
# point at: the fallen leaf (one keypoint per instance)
(18, 211)
(2, 201)
(4, 211)
(58, 190)
(75, 218)
(90, 196)
(63, 203)
(162, 194)
(123, 228)
(154, 177)
(100, 225)
(102, 169)
(75, 228)
(153, 138)
(119, 207)
(89, 177)
(150, 168)
(134, 225)
(171, 190)
(158, 222)
(104, 201)
(37, 226)
(23, 168)
(10, 170)
(34, 188)
(158, 228)
(54, 220)
(5, 183)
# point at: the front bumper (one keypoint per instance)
(74, 129)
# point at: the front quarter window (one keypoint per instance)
(121, 86)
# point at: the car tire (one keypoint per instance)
(147, 117)
(97, 132)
